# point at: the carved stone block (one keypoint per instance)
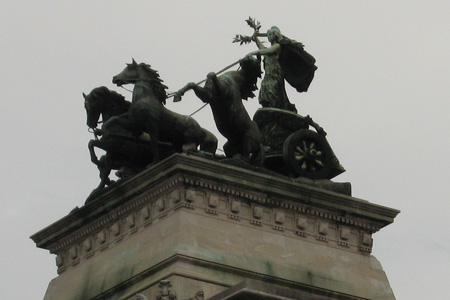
(73, 253)
(140, 297)
(191, 195)
(115, 229)
(160, 205)
(367, 239)
(323, 228)
(87, 245)
(345, 233)
(235, 206)
(166, 292)
(59, 260)
(174, 197)
(145, 213)
(130, 221)
(258, 212)
(213, 200)
(101, 237)
(280, 217)
(302, 222)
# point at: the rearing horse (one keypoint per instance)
(124, 151)
(224, 93)
(148, 114)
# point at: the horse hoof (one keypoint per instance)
(177, 98)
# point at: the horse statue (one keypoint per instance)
(147, 113)
(124, 150)
(224, 93)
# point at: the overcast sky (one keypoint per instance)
(381, 91)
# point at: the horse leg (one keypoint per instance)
(202, 93)
(182, 91)
(91, 145)
(220, 87)
(106, 145)
(246, 146)
(209, 142)
(231, 150)
(104, 167)
(153, 131)
(251, 146)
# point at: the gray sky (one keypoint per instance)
(381, 92)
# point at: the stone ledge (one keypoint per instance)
(147, 210)
(183, 169)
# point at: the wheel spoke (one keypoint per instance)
(318, 162)
(307, 155)
(299, 157)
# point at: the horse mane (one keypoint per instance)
(104, 94)
(251, 69)
(157, 83)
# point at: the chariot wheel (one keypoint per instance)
(308, 154)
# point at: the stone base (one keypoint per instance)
(209, 227)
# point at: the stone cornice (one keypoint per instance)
(191, 170)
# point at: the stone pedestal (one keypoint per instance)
(190, 224)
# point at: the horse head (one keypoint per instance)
(142, 74)
(129, 75)
(251, 70)
(102, 101)
(93, 110)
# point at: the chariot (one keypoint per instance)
(292, 148)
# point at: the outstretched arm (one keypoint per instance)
(275, 48)
(258, 42)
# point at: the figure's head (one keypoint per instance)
(274, 34)
(251, 65)
(251, 69)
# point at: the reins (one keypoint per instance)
(170, 95)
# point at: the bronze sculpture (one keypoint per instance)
(225, 93)
(291, 147)
(147, 113)
(125, 150)
(286, 60)
(277, 139)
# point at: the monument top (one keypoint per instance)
(194, 170)
(142, 132)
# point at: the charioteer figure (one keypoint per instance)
(291, 147)
(285, 59)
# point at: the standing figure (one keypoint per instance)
(284, 59)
